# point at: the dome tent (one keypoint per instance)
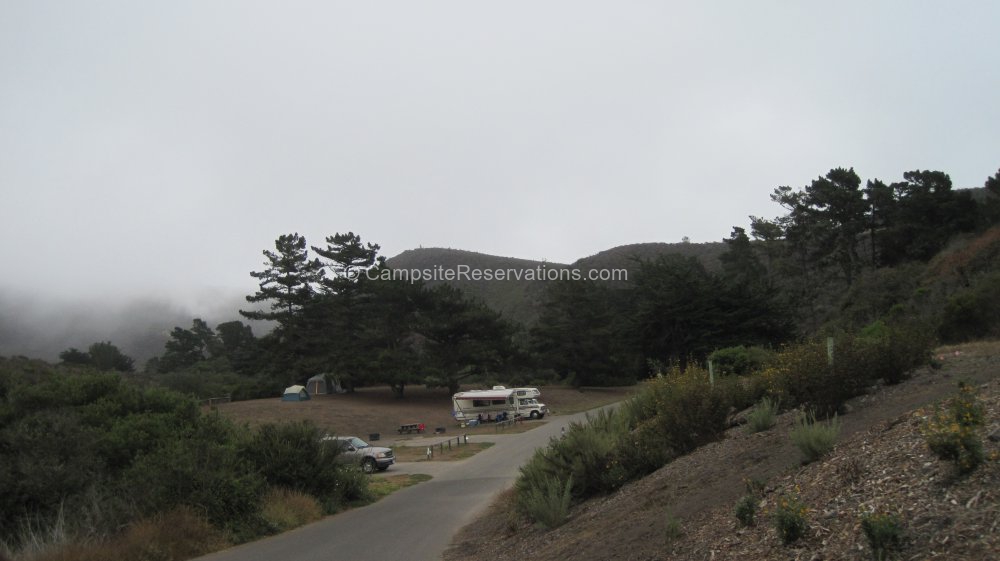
(316, 385)
(295, 393)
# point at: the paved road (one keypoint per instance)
(416, 523)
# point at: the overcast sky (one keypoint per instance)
(156, 148)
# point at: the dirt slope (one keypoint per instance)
(881, 461)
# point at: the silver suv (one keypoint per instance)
(371, 458)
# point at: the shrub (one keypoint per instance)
(891, 351)
(884, 533)
(672, 529)
(673, 415)
(285, 509)
(763, 416)
(804, 374)
(588, 455)
(952, 433)
(739, 360)
(203, 471)
(746, 510)
(815, 438)
(293, 456)
(790, 519)
(548, 503)
(351, 488)
(686, 410)
(973, 312)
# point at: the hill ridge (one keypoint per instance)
(521, 300)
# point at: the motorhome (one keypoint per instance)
(487, 404)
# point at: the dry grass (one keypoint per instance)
(174, 536)
(285, 509)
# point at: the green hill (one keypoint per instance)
(517, 299)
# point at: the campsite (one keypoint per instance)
(375, 410)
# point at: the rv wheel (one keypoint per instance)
(368, 466)
(534, 414)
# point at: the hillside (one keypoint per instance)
(881, 462)
(519, 300)
(624, 256)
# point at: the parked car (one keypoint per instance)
(370, 458)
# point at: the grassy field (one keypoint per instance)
(375, 410)
(385, 486)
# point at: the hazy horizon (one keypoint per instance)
(150, 152)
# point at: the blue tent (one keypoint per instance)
(295, 393)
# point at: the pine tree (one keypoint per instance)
(349, 259)
(288, 282)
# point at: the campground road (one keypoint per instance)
(414, 524)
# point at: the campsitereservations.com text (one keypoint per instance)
(468, 273)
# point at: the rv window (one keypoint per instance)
(499, 401)
(480, 402)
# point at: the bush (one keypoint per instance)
(685, 410)
(202, 471)
(739, 360)
(763, 416)
(351, 488)
(80, 442)
(952, 433)
(815, 438)
(884, 533)
(790, 519)
(285, 509)
(588, 455)
(974, 312)
(548, 503)
(891, 351)
(673, 415)
(746, 510)
(805, 375)
(293, 456)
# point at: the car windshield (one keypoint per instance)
(358, 443)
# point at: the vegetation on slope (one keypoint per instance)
(883, 469)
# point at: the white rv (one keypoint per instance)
(487, 404)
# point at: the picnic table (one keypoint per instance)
(409, 428)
